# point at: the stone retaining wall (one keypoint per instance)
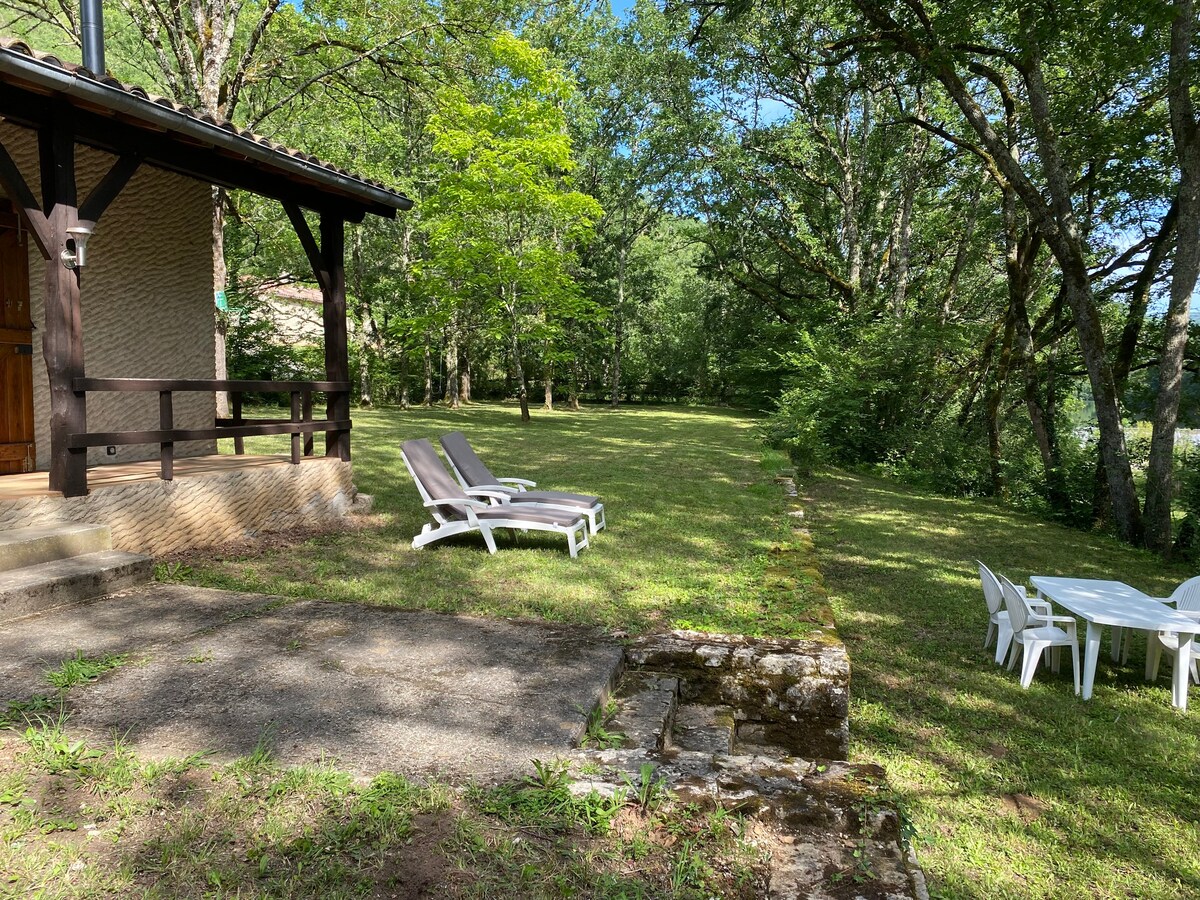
(791, 694)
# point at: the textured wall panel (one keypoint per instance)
(146, 295)
(158, 517)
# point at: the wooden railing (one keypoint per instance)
(300, 425)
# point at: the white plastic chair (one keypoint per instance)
(998, 624)
(1034, 632)
(1185, 599)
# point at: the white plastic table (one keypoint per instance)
(1118, 605)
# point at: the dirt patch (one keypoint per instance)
(262, 544)
(421, 868)
(1026, 808)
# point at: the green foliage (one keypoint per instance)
(1187, 540)
(81, 669)
(545, 799)
(596, 732)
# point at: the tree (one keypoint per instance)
(504, 224)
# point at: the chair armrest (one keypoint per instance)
(1066, 620)
(496, 488)
(1036, 605)
(521, 483)
(492, 493)
(461, 501)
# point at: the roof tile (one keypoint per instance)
(17, 45)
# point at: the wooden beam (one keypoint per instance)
(333, 316)
(83, 440)
(109, 187)
(127, 385)
(62, 337)
(15, 186)
(308, 242)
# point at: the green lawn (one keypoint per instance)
(1015, 793)
(693, 511)
(691, 505)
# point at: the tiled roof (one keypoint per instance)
(18, 46)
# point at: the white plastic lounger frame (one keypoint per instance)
(446, 525)
(505, 489)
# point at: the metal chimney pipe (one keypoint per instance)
(91, 29)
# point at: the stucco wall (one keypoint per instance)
(146, 297)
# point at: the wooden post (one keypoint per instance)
(306, 416)
(296, 434)
(62, 340)
(166, 450)
(239, 443)
(337, 359)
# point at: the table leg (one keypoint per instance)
(1091, 653)
(1117, 634)
(1183, 665)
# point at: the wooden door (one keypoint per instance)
(17, 452)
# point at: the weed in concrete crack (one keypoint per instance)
(649, 790)
(597, 734)
(81, 669)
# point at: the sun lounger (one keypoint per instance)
(474, 475)
(459, 511)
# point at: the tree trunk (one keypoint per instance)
(514, 350)
(618, 315)
(519, 375)
(960, 256)
(1139, 297)
(451, 397)
(994, 398)
(427, 400)
(465, 379)
(902, 257)
(548, 384)
(573, 386)
(1186, 135)
(405, 400)
(220, 275)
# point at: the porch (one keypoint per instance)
(210, 500)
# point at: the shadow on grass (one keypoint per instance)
(1018, 793)
(691, 514)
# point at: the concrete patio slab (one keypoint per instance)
(368, 688)
(131, 621)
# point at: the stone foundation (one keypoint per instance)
(159, 517)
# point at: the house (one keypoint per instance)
(107, 363)
(293, 311)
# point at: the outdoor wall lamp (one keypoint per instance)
(78, 235)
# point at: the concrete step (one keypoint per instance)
(21, 547)
(37, 588)
(707, 729)
(645, 709)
